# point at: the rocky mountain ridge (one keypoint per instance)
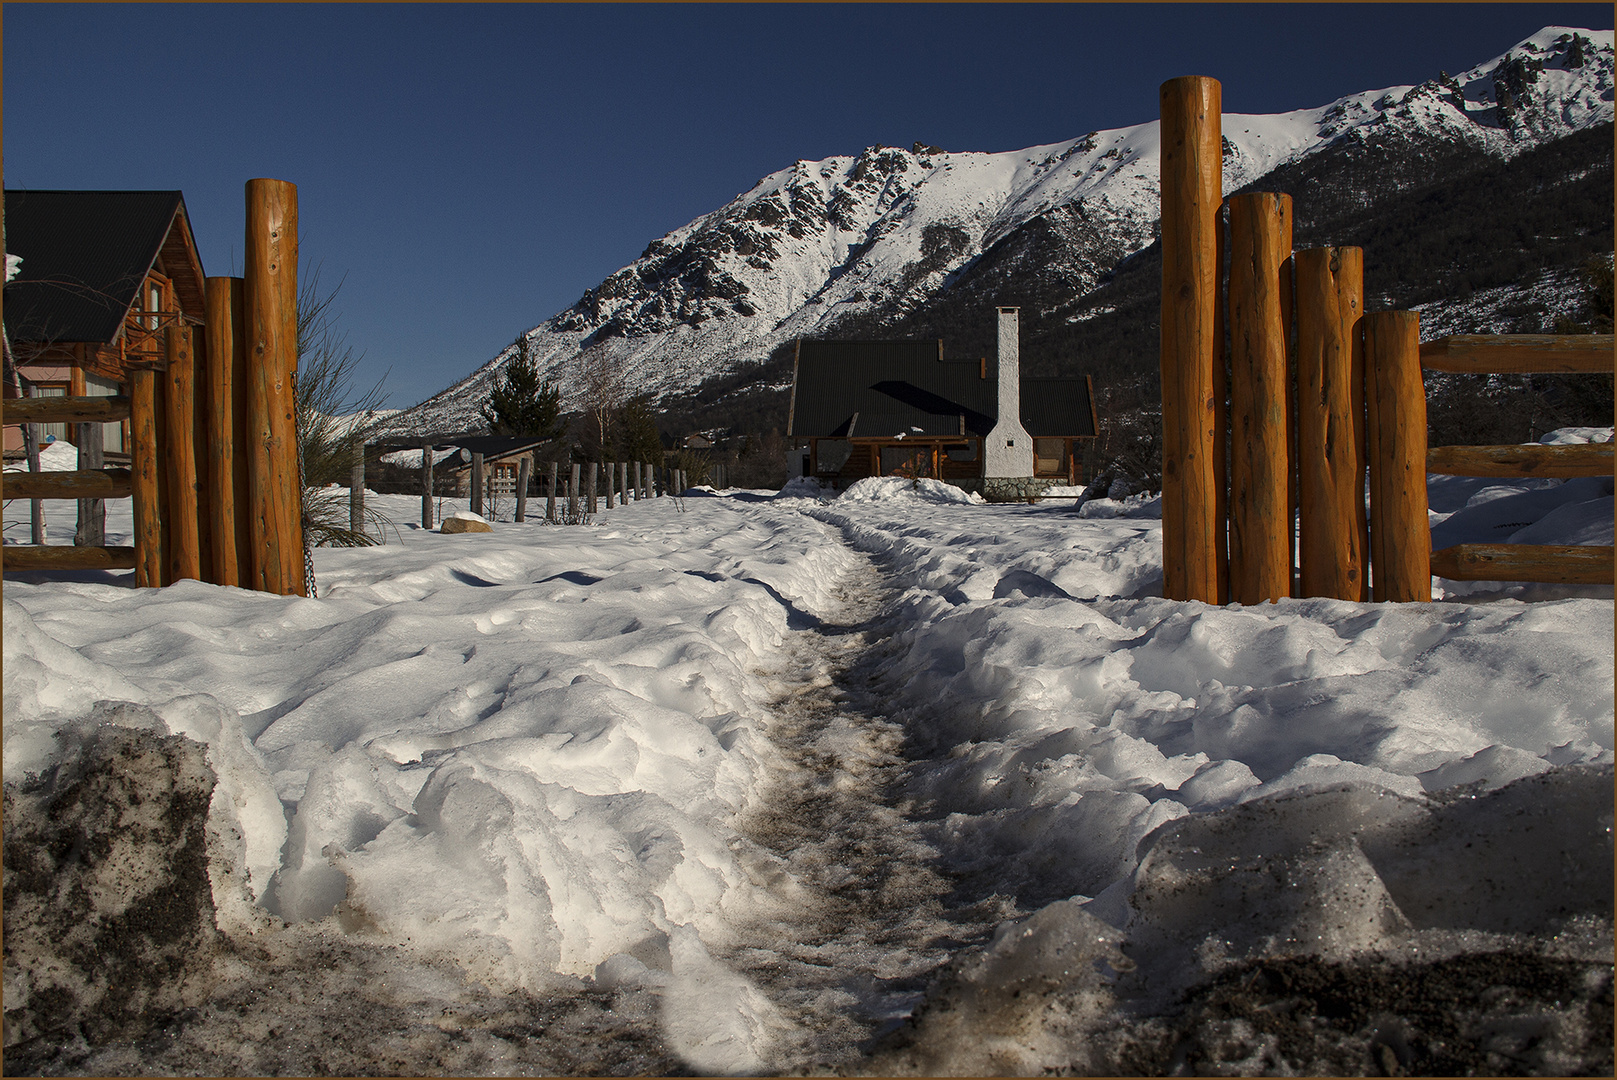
(890, 240)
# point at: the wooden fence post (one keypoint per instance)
(477, 483)
(179, 457)
(92, 527)
(623, 483)
(591, 503)
(572, 493)
(550, 498)
(611, 478)
(638, 492)
(356, 488)
(227, 429)
(1395, 399)
(1334, 545)
(524, 471)
(426, 483)
(1192, 164)
(270, 302)
(1260, 462)
(144, 494)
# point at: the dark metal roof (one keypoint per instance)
(880, 389)
(490, 446)
(84, 255)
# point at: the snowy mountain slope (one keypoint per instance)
(864, 239)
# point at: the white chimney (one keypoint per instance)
(1008, 450)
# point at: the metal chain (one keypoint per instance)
(308, 555)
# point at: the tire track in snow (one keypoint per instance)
(870, 921)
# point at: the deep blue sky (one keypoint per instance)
(470, 170)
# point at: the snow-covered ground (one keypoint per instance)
(738, 781)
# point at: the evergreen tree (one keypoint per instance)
(521, 403)
(641, 441)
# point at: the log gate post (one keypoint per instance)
(524, 472)
(1334, 543)
(1259, 422)
(1192, 164)
(270, 299)
(1395, 398)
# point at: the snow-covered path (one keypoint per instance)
(699, 787)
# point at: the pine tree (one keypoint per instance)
(641, 441)
(521, 403)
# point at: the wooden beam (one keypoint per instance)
(1507, 354)
(62, 557)
(66, 410)
(1578, 459)
(77, 484)
(1192, 167)
(1552, 563)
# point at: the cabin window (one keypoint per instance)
(832, 454)
(154, 303)
(1049, 457)
(50, 431)
(908, 461)
(961, 451)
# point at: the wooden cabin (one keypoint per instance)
(103, 274)
(452, 472)
(900, 408)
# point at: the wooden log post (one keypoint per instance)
(179, 457)
(572, 493)
(524, 472)
(1335, 540)
(92, 524)
(477, 484)
(356, 488)
(226, 424)
(638, 493)
(611, 478)
(590, 487)
(1395, 399)
(623, 483)
(270, 306)
(200, 436)
(550, 498)
(1260, 462)
(144, 494)
(1192, 163)
(36, 507)
(1220, 386)
(426, 484)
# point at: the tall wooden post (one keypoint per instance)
(227, 429)
(144, 494)
(1192, 177)
(1260, 461)
(1395, 397)
(270, 304)
(356, 488)
(477, 483)
(611, 478)
(179, 457)
(92, 526)
(592, 476)
(524, 472)
(1334, 543)
(1221, 417)
(550, 498)
(572, 493)
(426, 484)
(638, 493)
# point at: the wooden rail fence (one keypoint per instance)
(1321, 393)
(213, 473)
